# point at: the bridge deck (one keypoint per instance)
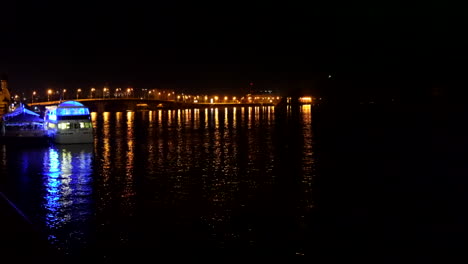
(122, 104)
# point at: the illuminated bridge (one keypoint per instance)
(135, 104)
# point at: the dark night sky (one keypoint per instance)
(206, 47)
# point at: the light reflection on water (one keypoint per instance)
(214, 178)
(67, 181)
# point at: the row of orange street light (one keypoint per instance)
(157, 94)
(78, 95)
(129, 93)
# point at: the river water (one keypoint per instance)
(382, 183)
(200, 183)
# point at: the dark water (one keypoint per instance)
(374, 183)
(201, 183)
(392, 183)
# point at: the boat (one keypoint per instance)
(23, 123)
(69, 123)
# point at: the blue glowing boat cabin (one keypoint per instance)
(68, 123)
(22, 124)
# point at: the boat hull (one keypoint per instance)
(70, 137)
(25, 140)
(25, 134)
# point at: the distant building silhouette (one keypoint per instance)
(5, 97)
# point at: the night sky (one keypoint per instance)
(222, 47)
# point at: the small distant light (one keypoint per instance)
(329, 76)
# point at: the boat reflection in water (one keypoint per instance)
(67, 193)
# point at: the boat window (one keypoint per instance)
(64, 125)
(85, 125)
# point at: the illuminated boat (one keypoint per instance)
(22, 124)
(68, 123)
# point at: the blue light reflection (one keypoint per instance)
(68, 190)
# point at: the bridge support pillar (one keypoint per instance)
(100, 107)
